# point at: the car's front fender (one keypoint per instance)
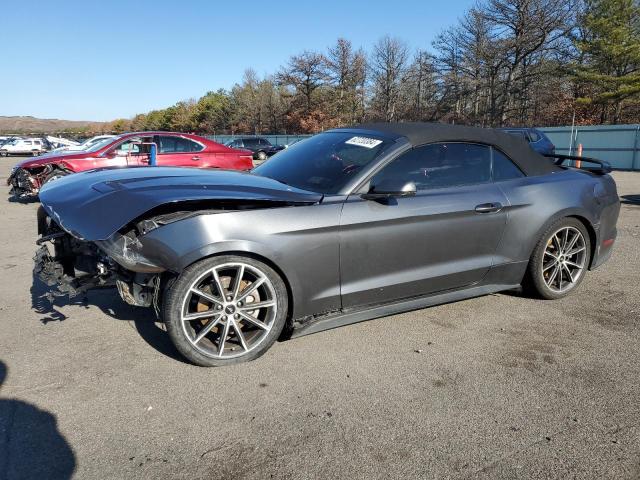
(301, 242)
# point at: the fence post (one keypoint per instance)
(634, 158)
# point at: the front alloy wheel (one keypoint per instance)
(225, 310)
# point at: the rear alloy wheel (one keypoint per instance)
(560, 260)
(225, 310)
(262, 156)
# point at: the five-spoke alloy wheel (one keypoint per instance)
(225, 310)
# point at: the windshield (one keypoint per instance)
(324, 163)
(91, 141)
(100, 144)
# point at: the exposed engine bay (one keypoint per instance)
(26, 184)
(72, 266)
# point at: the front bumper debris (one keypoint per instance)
(53, 273)
(23, 184)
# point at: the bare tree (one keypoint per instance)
(346, 70)
(517, 62)
(388, 64)
(420, 88)
(525, 28)
(305, 73)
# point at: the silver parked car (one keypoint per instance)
(351, 224)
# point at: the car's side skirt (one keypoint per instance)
(354, 316)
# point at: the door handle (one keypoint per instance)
(489, 207)
(195, 158)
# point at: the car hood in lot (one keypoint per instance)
(94, 205)
(53, 157)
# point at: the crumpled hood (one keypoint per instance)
(93, 205)
(53, 157)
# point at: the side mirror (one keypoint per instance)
(390, 187)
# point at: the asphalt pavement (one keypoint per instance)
(501, 386)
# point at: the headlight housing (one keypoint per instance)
(124, 250)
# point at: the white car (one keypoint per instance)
(20, 146)
(85, 145)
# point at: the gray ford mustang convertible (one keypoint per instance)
(348, 225)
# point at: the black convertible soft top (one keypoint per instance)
(419, 133)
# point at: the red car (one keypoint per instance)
(130, 149)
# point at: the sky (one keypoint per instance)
(101, 60)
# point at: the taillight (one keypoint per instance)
(248, 160)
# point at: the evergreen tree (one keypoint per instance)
(610, 47)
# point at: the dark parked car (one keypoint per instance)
(537, 139)
(261, 147)
(349, 225)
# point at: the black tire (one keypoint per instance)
(538, 276)
(54, 175)
(179, 296)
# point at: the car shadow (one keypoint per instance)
(31, 446)
(23, 201)
(518, 292)
(109, 302)
(630, 199)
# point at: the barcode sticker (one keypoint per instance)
(365, 142)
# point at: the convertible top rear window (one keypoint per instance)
(324, 163)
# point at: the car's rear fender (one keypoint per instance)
(536, 203)
(580, 214)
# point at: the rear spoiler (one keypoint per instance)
(602, 167)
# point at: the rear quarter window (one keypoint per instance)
(503, 168)
(535, 136)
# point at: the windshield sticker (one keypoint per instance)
(363, 142)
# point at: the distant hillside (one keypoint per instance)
(45, 125)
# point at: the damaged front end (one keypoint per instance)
(25, 184)
(71, 266)
(137, 229)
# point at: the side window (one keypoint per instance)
(534, 136)
(251, 142)
(441, 165)
(171, 144)
(504, 168)
(130, 146)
